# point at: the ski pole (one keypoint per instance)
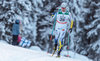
(68, 45)
(53, 27)
(74, 50)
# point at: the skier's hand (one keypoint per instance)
(70, 30)
(51, 37)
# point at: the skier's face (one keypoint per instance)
(63, 9)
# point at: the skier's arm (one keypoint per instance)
(71, 21)
(53, 16)
(71, 24)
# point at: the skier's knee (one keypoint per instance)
(60, 45)
(56, 41)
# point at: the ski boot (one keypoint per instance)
(58, 55)
(55, 49)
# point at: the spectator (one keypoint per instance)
(15, 32)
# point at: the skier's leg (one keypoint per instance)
(56, 40)
(62, 34)
(60, 47)
(55, 45)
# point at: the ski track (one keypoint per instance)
(14, 53)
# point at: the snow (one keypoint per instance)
(35, 48)
(76, 56)
(30, 12)
(15, 53)
(95, 46)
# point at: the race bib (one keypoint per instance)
(62, 19)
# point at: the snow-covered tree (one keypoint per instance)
(10, 10)
(85, 34)
(36, 24)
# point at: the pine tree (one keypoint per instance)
(86, 27)
(10, 11)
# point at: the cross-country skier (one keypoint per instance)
(64, 23)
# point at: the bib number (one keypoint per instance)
(62, 19)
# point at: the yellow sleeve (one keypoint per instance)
(52, 15)
(71, 24)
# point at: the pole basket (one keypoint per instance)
(67, 55)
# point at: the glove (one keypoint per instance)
(51, 37)
(70, 30)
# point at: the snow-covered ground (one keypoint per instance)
(14, 53)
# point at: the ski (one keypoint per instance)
(67, 56)
(53, 53)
